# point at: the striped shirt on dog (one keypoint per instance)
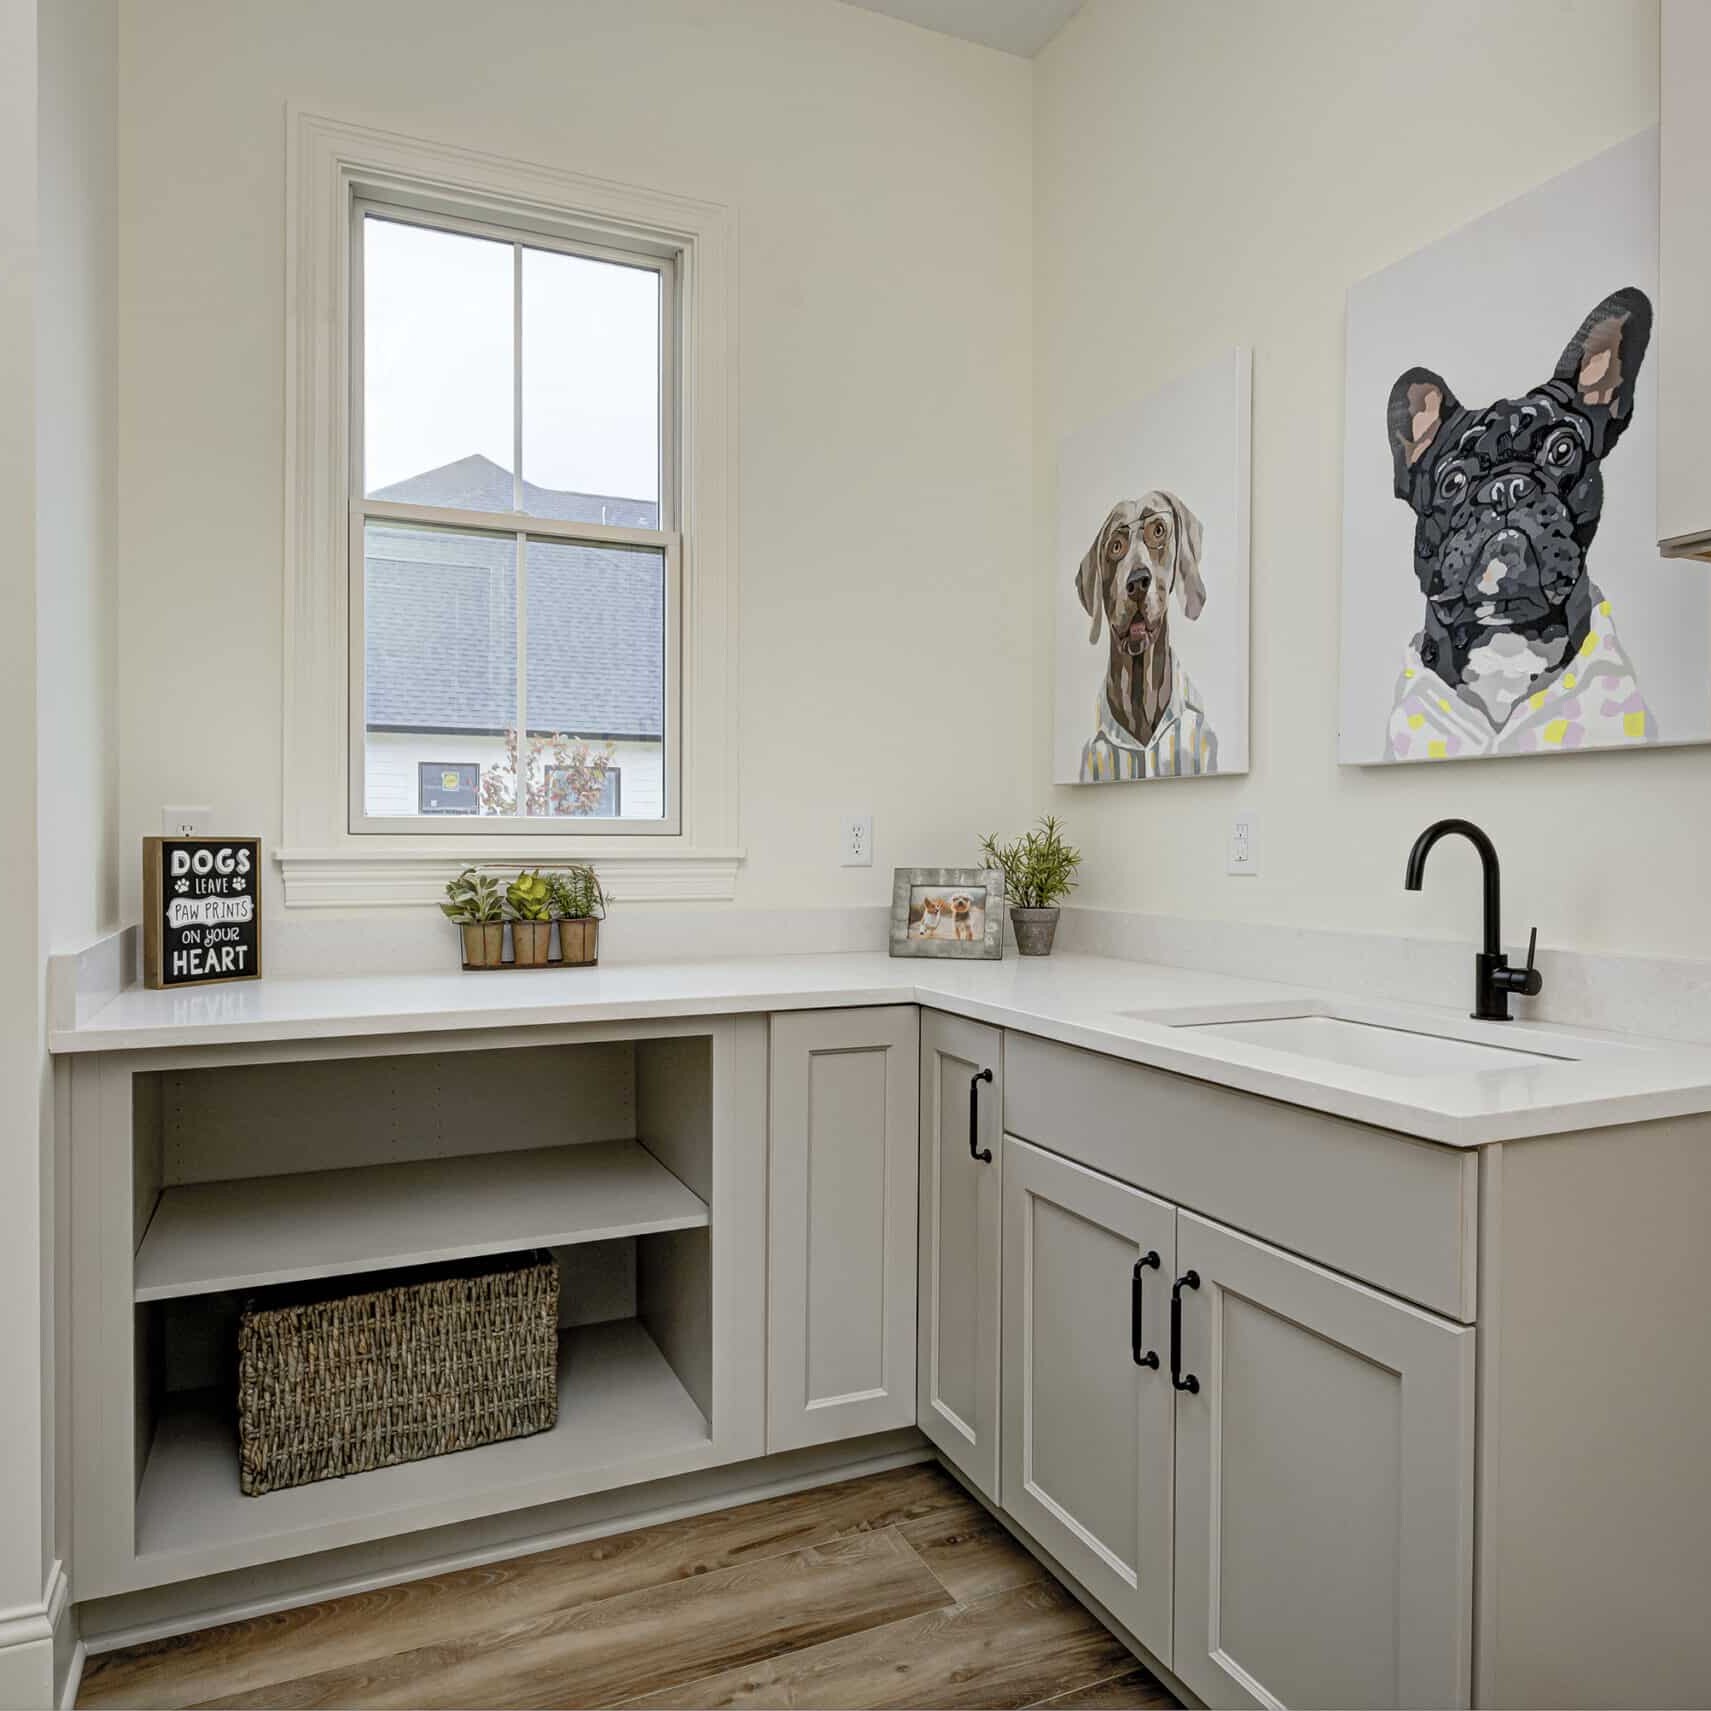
(1183, 746)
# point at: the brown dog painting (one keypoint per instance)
(1152, 722)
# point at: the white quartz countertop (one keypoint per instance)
(1582, 1080)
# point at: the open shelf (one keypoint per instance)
(213, 1236)
(623, 1415)
(629, 1154)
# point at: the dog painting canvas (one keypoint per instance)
(1502, 589)
(1152, 586)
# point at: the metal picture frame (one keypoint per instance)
(973, 932)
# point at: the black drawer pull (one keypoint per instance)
(1148, 1357)
(1181, 1380)
(975, 1149)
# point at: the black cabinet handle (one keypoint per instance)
(1149, 1357)
(1180, 1379)
(975, 1149)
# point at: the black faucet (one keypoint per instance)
(1493, 978)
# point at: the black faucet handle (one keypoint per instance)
(1528, 982)
(1532, 982)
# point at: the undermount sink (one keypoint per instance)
(1371, 1045)
(1392, 1042)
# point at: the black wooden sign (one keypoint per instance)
(201, 910)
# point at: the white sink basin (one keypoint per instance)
(1390, 1040)
(1371, 1045)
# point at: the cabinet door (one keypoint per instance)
(1087, 1427)
(962, 1163)
(841, 1225)
(1324, 1486)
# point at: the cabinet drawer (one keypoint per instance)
(1396, 1212)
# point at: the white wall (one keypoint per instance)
(77, 564)
(73, 680)
(1191, 176)
(881, 178)
(24, 1460)
(77, 472)
(1207, 175)
(58, 173)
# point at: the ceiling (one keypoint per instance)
(1017, 26)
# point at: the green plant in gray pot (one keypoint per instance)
(578, 904)
(1039, 872)
(530, 897)
(475, 902)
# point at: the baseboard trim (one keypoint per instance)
(73, 1676)
(135, 1618)
(1073, 1586)
(32, 1639)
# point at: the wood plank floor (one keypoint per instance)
(898, 1590)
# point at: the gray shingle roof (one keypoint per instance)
(477, 483)
(440, 618)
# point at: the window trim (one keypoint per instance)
(331, 163)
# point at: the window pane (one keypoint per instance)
(438, 362)
(440, 661)
(591, 389)
(596, 684)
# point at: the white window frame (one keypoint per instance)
(666, 540)
(332, 853)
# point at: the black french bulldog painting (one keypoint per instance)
(1517, 651)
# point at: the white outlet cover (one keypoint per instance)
(193, 822)
(856, 842)
(1242, 855)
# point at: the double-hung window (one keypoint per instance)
(515, 562)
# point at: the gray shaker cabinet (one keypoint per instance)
(962, 1166)
(1088, 1429)
(841, 1224)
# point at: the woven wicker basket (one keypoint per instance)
(332, 1382)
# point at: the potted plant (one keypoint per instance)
(578, 904)
(473, 900)
(1039, 871)
(530, 897)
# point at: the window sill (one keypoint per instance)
(414, 877)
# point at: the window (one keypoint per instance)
(514, 576)
(516, 612)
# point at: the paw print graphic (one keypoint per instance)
(181, 885)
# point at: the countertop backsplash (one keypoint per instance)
(1661, 997)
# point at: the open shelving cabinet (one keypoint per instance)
(200, 1177)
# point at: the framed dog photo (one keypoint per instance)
(955, 912)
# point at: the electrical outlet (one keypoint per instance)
(857, 842)
(1243, 855)
(186, 822)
